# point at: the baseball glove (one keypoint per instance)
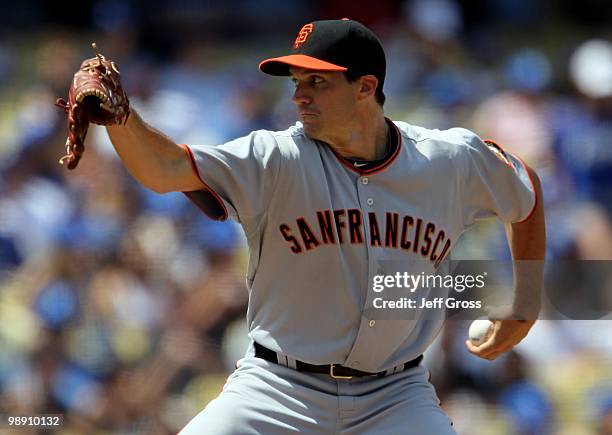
(96, 96)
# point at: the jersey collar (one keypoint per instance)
(369, 168)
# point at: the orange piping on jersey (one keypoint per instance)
(194, 168)
(391, 158)
(378, 168)
(506, 162)
(535, 192)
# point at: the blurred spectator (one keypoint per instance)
(529, 407)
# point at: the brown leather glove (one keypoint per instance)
(96, 96)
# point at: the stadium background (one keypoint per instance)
(124, 309)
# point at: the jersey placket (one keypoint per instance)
(367, 332)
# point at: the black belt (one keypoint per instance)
(334, 370)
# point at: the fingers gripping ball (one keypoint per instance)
(96, 96)
(480, 330)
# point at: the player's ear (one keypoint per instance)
(367, 86)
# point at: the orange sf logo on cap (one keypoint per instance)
(303, 35)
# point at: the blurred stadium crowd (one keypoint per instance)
(125, 310)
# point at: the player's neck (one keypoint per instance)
(366, 140)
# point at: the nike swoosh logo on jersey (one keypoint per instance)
(359, 165)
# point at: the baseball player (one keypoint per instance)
(325, 205)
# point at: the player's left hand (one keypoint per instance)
(95, 96)
(506, 334)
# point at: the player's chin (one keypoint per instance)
(311, 129)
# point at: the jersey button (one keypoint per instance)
(370, 201)
(372, 323)
(365, 180)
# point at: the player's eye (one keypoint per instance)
(317, 80)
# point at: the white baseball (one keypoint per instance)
(479, 331)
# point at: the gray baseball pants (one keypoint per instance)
(270, 399)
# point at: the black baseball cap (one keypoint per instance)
(333, 45)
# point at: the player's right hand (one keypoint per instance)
(506, 334)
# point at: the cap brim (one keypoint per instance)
(279, 66)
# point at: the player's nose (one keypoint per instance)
(301, 96)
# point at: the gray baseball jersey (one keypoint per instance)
(319, 227)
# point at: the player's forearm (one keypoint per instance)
(150, 156)
(527, 242)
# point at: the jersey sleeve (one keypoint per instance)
(239, 176)
(495, 183)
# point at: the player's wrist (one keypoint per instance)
(528, 284)
(526, 309)
(518, 310)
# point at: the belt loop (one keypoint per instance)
(395, 369)
(291, 363)
(281, 359)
